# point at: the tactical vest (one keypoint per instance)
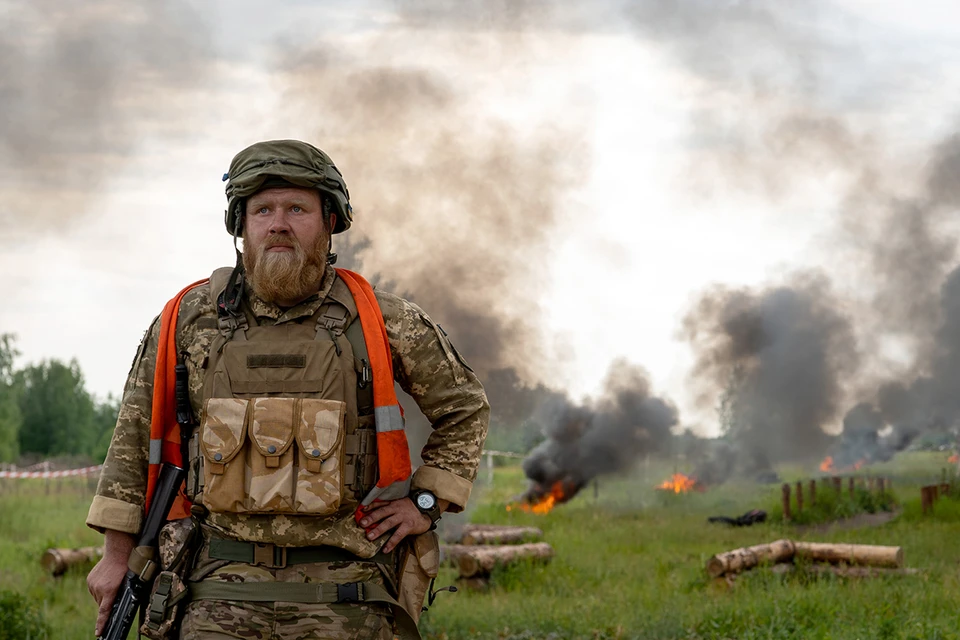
(287, 422)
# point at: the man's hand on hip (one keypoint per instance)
(400, 515)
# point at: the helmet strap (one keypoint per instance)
(232, 295)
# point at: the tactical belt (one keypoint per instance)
(310, 593)
(274, 557)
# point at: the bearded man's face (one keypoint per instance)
(285, 244)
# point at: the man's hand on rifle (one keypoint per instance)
(105, 579)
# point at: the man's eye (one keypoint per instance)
(297, 209)
(263, 210)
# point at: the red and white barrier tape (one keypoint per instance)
(86, 471)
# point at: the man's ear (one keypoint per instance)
(333, 223)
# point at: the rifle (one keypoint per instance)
(142, 565)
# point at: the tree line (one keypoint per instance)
(46, 410)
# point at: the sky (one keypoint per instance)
(558, 183)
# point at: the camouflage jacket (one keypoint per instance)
(426, 365)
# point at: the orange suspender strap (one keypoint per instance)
(393, 453)
(164, 430)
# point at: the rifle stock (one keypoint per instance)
(143, 566)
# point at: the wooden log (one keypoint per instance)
(749, 557)
(854, 554)
(57, 561)
(479, 560)
(500, 535)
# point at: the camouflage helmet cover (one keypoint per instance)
(293, 161)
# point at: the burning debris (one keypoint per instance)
(604, 437)
(680, 483)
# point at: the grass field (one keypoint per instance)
(629, 564)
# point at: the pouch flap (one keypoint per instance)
(273, 424)
(321, 427)
(426, 547)
(223, 429)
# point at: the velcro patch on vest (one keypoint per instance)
(276, 360)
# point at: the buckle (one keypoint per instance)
(349, 592)
(269, 555)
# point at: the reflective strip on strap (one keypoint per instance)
(307, 593)
(388, 418)
(156, 451)
(393, 491)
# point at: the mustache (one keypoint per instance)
(280, 241)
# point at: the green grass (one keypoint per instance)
(629, 564)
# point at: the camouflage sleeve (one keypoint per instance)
(118, 503)
(429, 368)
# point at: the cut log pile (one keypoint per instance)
(878, 559)
(483, 548)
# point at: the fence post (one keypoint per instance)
(786, 501)
(799, 496)
(851, 485)
(813, 492)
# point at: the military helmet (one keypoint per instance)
(292, 161)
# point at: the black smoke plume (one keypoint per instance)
(82, 85)
(774, 362)
(606, 436)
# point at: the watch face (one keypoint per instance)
(426, 501)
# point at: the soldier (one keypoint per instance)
(297, 470)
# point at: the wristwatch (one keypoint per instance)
(427, 503)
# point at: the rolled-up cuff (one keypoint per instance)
(445, 485)
(110, 513)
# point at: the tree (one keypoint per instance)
(58, 414)
(10, 418)
(105, 421)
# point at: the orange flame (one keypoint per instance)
(678, 483)
(954, 459)
(827, 464)
(859, 463)
(546, 502)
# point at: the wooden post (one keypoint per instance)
(881, 482)
(871, 481)
(786, 502)
(925, 502)
(813, 492)
(850, 484)
(799, 496)
(837, 484)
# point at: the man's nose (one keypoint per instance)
(279, 223)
